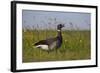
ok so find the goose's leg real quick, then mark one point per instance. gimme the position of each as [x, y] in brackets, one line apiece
[48, 51]
[56, 51]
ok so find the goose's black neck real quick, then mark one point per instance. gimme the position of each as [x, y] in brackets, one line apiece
[59, 33]
[59, 38]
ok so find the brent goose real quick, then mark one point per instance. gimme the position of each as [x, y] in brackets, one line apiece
[51, 43]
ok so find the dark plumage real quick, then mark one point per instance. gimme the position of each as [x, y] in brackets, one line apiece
[51, 43]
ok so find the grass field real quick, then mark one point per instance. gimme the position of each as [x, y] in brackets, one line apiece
[76, 46]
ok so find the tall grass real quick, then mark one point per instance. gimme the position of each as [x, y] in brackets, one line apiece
[75, 46]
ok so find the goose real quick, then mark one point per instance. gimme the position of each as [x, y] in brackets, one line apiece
[51, 43]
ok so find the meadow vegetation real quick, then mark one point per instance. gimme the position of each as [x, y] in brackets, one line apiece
[76, 46]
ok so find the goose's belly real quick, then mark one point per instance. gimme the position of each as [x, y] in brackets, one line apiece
[44, 47]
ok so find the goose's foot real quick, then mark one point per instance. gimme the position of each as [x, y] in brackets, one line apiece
[48, 52]
[56, 51]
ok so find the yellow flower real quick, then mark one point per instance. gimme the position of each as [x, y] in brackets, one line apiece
[80, 41]
[65, 40]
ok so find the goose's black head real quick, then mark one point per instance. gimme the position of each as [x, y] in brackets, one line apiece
[60, 26]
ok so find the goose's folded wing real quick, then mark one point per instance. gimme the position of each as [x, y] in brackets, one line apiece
[46, 42]
[51, 40]
[40, 42]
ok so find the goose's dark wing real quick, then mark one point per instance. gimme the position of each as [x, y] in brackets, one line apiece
[41, 42]
[46, 42]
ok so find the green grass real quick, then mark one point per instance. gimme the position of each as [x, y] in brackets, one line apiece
[76, 46]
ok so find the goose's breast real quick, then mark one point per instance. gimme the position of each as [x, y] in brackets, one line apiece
[53, 45]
